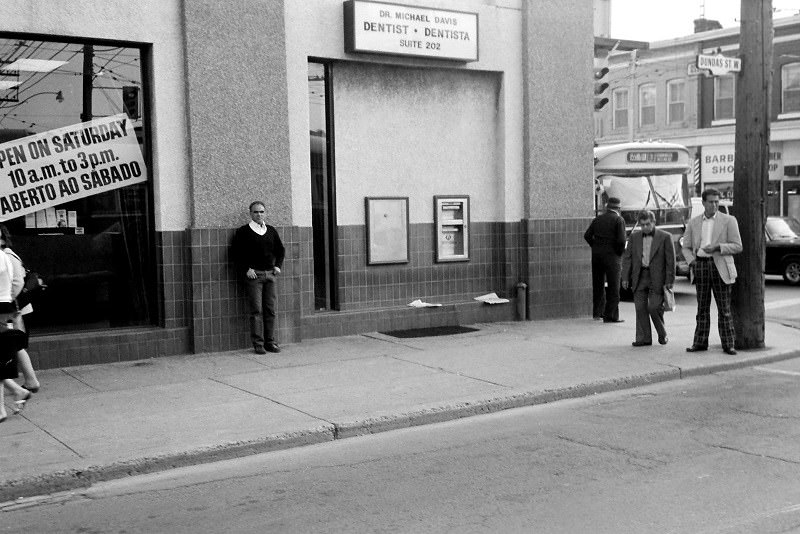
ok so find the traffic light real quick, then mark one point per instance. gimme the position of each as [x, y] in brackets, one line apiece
[600, 87]
[130, 100]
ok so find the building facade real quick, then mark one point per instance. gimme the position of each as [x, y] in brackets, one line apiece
[660, 94]
[432, 151]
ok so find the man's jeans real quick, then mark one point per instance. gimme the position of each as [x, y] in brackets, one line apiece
[261, 298]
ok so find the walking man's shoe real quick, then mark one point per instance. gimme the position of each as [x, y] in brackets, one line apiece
[730, 350]
[696, 348]
[272, 347]
[613, 320]
[258, 349]
[663, 340]
[641, 343]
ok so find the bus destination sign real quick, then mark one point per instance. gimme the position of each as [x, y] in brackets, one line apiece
[652, 156]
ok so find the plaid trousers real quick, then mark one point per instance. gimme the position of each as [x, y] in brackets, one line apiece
[707, 279]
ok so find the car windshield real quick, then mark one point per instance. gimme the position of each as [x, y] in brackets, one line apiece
[783, 228]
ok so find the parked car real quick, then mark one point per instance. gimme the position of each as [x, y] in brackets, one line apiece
[783, 248]
[782, 254]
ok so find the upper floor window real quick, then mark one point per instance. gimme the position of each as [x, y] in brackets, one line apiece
[724, 97]
[619, 103]
[790, 88]
[647, 105]
[676, 101]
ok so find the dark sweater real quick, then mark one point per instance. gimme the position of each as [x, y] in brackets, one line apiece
[259, 252]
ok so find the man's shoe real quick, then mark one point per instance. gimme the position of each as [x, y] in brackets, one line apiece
[613, 320]
[663, 340]
[696, 348]
[258, 349]
[272, 347]
[641, 343]
[730, 350]
[597, 317]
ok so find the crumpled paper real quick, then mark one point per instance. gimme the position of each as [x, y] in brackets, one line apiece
[420, 304]
[491, 298]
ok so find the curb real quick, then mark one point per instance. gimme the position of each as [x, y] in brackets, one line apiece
[13, 491]
[740, 364]
[72, 479]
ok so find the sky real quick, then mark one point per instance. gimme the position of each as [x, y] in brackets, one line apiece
[656, 20]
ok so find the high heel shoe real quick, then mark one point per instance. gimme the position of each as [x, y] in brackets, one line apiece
[20, 404]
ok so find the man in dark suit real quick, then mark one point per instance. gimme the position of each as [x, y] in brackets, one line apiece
[648, 266]
[709, 243]
[606, 236]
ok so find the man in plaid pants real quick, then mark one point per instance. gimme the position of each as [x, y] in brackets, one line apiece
[710, 241]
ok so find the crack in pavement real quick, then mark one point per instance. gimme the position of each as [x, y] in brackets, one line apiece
[756, 454]
[610, 448]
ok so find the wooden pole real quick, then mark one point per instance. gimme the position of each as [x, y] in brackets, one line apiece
[751, 171]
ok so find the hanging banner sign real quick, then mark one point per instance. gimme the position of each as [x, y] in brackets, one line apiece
[50, 168]
[380, 28]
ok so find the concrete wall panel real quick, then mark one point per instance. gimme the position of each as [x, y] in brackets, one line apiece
[558, 97]
[238, 110]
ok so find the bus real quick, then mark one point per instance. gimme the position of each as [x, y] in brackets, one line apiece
[646, 175]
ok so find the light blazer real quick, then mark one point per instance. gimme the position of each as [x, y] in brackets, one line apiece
[662, 259]
[726, 235]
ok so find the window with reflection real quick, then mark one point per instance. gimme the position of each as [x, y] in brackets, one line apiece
[647, 105]
[724, 97]
[75, 182]
[676, 101]
[619, 105]
[790, 86]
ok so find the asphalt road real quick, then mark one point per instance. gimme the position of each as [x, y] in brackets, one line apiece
[713, 454]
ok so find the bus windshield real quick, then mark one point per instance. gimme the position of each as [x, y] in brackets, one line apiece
[664, 194]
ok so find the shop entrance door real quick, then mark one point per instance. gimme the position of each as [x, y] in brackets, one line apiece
[323, 190]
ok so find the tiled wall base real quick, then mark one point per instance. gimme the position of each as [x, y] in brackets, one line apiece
[331, 324]
[559, 270]
[203, 304]
[67, 350]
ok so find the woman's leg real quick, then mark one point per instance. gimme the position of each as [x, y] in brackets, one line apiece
[26, 368]
[19, 392]
[24, 360]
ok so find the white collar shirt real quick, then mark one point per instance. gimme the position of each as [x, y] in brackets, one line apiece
[647, 243]
[260, 230]
[706, 232]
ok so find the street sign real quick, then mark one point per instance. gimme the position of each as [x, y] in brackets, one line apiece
[692, 70]
[718, 64]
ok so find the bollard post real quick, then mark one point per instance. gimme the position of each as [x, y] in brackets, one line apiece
[522, 301]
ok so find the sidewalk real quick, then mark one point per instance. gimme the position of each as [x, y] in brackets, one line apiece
[101, 422]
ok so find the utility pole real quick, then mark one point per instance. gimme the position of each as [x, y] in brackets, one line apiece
[751, 169]
[88, 81]
[631, 89]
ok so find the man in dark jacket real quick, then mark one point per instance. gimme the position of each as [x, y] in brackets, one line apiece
[648, 266]
[258, 253]
[606, 236]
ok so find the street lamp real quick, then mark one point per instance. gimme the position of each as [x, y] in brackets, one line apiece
[59, 99]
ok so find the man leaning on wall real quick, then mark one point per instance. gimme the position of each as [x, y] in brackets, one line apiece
[259, 253]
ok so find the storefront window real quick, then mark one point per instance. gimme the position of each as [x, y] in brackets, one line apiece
[75, 181]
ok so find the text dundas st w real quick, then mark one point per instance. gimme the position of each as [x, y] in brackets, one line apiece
[67, 163]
